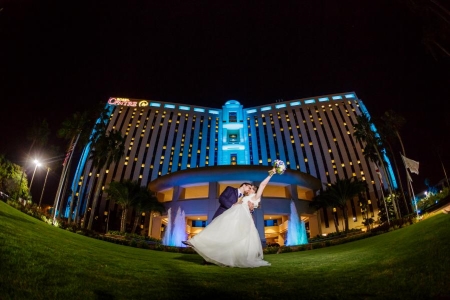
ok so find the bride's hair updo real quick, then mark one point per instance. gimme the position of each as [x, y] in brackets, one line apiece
[255, 187]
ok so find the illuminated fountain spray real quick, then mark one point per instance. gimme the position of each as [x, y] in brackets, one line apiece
[176, 232]
[168, 230]
[296, 234]
[179, 229]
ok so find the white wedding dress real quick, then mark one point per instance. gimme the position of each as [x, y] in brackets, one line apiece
[231, 239]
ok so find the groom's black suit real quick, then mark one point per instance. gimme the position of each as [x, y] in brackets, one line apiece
[228, 197]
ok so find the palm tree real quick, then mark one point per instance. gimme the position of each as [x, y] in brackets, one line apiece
[129, 194]
[435, 21]
[38, 134]
[76, 129]
[321, 201]
[107, 148]
[339, 193]
[146, 202]
[364, 203]
[364, 133]
[125, 194]
[392, 124]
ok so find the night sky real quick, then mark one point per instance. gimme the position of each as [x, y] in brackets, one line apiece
[59, 57]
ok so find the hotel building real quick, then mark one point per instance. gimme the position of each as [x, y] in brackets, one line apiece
[188, 154]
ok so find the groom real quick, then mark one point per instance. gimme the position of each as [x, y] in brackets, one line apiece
[230, 196]
[227, 199]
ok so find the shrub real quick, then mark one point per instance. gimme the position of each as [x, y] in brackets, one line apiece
[143, 245]
[270, 250]
[284, 249]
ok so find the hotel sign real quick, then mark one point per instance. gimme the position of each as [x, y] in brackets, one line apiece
[127, 102]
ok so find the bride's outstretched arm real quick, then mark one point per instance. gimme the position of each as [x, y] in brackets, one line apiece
[263, 184]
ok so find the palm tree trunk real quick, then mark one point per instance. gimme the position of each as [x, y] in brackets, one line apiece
[136, 222]
[77, 208]
[69, 219]
[123, 220]
[336, 222]
[345, 214]
[63, 199]
[60, 192]
[399, 179]
[83, 224]
[95, 200]
[387, 181]
[83, 177]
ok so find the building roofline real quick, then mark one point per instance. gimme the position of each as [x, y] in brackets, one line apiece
[237, 173]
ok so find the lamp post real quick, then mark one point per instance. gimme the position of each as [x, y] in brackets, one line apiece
[37, 163]
[43, 188]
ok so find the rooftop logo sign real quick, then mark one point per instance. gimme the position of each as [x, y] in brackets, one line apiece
[127, 102]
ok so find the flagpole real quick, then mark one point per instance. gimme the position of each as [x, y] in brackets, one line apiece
[408, 178]
[415, 170]
[414, 197]
[443, 168]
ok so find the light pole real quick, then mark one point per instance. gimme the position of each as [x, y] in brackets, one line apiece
[45, 181]
[37, 163]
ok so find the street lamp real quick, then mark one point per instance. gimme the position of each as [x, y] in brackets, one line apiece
[45, 181]
[38, 164]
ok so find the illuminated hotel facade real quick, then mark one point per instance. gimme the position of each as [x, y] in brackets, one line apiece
[188, 154]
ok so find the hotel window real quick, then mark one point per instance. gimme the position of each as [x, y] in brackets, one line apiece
[233, 159]
[232, 116]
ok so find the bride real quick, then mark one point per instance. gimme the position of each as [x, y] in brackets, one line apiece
[232, 239]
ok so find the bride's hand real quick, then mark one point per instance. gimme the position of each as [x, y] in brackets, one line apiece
[272, 172]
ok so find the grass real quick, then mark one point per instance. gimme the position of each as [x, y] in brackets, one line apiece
[38, 261]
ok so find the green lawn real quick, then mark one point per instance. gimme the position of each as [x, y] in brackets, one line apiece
[38, 261]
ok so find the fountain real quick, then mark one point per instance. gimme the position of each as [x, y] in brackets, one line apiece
[168, 230]
[296, 234]
[176, 232]
[179, 229]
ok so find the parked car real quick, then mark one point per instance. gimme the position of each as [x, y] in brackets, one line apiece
[3, 196]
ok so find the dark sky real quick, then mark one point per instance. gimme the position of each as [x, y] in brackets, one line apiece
[58, 57]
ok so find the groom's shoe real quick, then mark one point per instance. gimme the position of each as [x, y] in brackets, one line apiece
[186, 243]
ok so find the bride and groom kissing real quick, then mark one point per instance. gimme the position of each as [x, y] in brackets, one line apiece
[231, 239]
